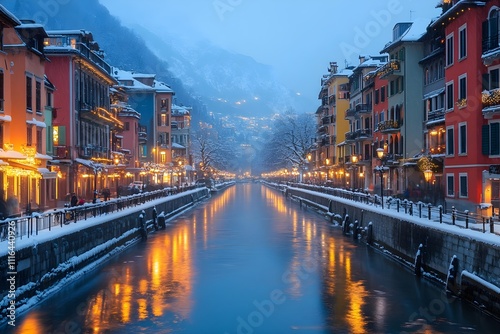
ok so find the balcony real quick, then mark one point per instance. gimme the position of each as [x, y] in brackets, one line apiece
[389, 126]
[331, 100]
[438, 149]
[362, 108]
[322, 130]
[435, 116]
[491, 102]
[62, 152]
[491, 49]
[358, 135]
[390, 70]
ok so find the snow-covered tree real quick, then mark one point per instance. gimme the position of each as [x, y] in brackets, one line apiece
[293, 138]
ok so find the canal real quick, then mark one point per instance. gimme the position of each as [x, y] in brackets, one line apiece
[250, 261]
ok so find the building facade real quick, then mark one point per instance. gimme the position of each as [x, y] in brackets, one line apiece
[25, 179]
[83, 124]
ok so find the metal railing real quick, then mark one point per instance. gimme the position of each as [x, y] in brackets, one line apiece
[29, 225]
[439, 214]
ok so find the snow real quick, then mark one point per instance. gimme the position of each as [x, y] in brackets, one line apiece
[57, 231]
[66, 267]
[481, 281]
[458, 229]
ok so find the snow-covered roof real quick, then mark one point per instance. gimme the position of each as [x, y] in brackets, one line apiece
[122, 75]
[9, 16]
[413, 34]
[162, 87]
[69, 32]
[180, 110]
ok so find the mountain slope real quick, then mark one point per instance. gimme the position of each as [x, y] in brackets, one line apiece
[228, 80]
[122, 47]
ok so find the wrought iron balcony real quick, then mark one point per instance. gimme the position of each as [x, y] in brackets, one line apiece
[358, 135]
[392, 68]
[361, 108]
[390, 126]
[435, 116]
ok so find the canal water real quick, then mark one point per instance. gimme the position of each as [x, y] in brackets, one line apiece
[251, 261]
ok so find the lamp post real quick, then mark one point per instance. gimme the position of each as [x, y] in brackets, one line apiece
[380, 169]
[428, 176]
[354, 161]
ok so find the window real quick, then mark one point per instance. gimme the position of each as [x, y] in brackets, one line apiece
[382, 93]
[39, 139]
[164, 103]
[491, 139]
[462, 87]
[462, 40]
[490, 32]
[450, 149]
[48, 101]
[462, 137]
[1, 91]
[449, 96]
[377, 92]
[463, 184]
[450, 185]
[163, 119]
[38, 96]
[29, 136]
[449, 50]
[29, 94]
[494, 79]
[127, 126]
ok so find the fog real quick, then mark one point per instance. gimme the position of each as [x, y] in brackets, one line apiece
[298, 38]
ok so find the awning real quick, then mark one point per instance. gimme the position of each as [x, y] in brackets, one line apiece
[89, 163]
[11, 154]
[5, 118]
[178, 146]
[47, 174]
[36, 122]
[433, 93]
[42, 156]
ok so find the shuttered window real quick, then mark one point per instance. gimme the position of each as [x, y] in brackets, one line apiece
[495, 138]
[450, 149]
[485, 139]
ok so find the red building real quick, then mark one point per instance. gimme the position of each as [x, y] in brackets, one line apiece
[84, 125]
[472, 103]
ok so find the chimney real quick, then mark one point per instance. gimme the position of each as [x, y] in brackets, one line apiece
[333, 67]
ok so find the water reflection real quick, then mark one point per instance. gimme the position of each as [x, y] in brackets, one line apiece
[213, 269]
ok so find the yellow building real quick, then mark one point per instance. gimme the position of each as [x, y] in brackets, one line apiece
[332, 126]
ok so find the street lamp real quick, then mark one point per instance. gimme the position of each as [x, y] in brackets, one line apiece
[354, 161]
[381, 170]
[428, 176]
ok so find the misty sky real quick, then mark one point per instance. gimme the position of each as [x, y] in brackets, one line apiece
[297, 37]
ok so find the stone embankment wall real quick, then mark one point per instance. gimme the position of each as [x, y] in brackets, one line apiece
[42, 264]
[475, 271]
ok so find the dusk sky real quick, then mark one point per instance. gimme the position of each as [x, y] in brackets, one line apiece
[298, 38]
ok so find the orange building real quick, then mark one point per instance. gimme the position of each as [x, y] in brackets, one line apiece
[26, 90]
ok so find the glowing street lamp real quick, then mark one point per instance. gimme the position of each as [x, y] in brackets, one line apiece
[381, 170]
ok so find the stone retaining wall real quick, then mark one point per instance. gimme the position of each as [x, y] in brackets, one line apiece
[41, 265]
[401, 236]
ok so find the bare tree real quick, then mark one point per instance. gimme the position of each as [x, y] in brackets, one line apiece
[213, 152]
[292, 140]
